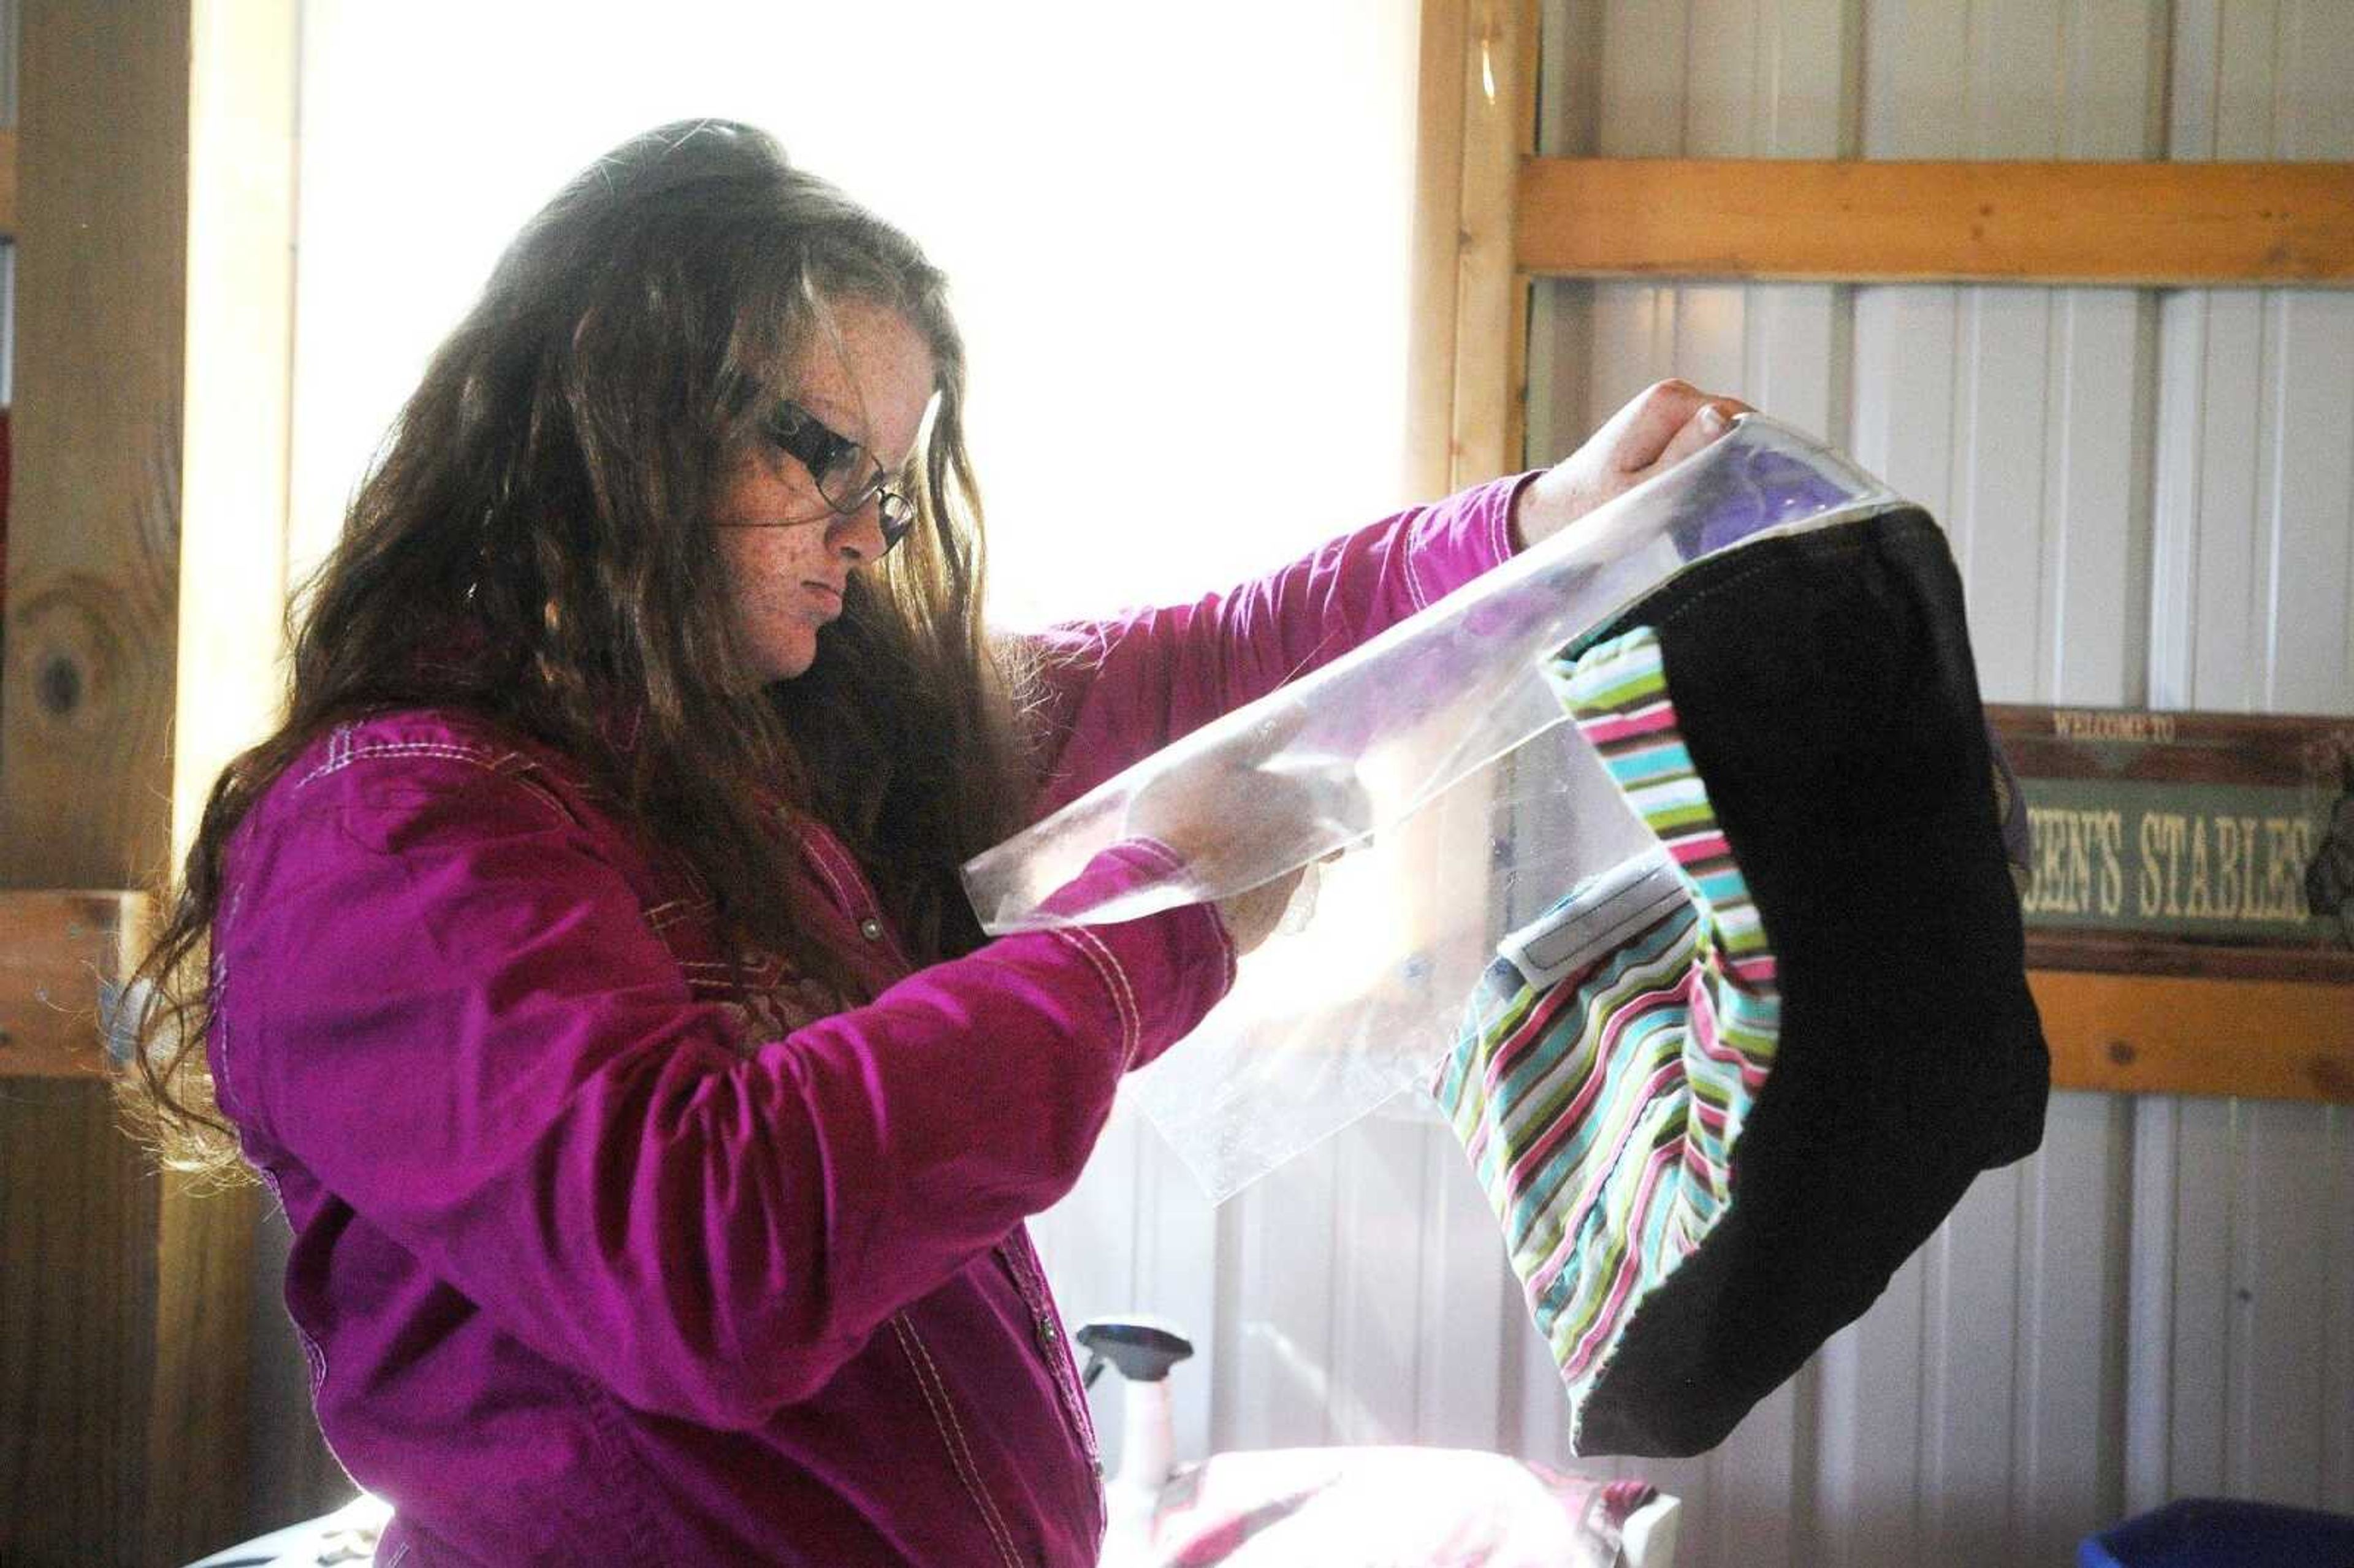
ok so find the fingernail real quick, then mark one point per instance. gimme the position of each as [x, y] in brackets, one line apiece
[1712, 420]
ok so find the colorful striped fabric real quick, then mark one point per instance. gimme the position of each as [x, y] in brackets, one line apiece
[1599, 1100]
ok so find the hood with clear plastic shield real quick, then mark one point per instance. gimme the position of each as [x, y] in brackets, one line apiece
[1432, 782]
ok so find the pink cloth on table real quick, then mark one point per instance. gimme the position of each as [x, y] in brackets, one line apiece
[1435, 1508]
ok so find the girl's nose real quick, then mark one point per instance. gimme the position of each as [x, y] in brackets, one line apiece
[859, 536]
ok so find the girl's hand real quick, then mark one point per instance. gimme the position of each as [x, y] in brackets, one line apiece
[1250, 917]
[1664, 425]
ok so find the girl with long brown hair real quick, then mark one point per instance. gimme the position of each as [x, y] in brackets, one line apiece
[582, 961]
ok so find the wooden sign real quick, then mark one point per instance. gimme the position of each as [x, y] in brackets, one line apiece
[2187, 843]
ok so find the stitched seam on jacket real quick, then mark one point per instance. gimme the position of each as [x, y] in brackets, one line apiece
[817, 848]
[522, 777]
[605, 1424]
[1030, 1279]
[952, 1431]
[351, 752]
[1115, 981]
[314, 1353]
[1175, 862]
[670, 911]
[496, 766]
[825, 868]
[1168, 857]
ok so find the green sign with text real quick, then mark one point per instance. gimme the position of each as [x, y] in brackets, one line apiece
[2194, 860]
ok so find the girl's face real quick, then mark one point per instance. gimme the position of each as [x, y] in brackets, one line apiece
[787, 552]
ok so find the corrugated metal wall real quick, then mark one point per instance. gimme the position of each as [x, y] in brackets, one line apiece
[2151, 495]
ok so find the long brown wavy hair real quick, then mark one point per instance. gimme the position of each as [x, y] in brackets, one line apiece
[534, 546]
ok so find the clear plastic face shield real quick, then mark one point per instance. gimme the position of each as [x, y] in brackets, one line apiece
[1433, 784]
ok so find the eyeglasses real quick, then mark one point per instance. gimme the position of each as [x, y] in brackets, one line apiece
[846, 473]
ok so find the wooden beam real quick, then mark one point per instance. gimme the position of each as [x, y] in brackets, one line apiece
[154, 167]
[2159, 225]
[54, 950]
[124, 1296]
[93, 512]
[2153, 1034]
[1475, 120]
[239, 394]
[1432, 282]
[1499, 87]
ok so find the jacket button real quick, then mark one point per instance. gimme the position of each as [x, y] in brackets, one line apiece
[871, 929]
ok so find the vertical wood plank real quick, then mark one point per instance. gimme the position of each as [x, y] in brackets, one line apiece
[1491, 303]
[143, 1285]
[1437, 201]
[94, 486]
[238, 392]
[75, 1355]
[234, 445]
[197, 1439]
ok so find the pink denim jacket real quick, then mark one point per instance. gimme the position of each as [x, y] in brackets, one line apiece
[598, 1258]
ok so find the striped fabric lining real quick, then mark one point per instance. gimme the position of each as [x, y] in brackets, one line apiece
[1599, 1111]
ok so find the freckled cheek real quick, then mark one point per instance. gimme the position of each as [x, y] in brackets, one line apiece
[772, 615]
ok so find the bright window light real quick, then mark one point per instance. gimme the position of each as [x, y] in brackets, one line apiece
[1178, 236]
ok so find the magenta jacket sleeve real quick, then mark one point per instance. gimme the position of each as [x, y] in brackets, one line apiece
[470, 1033]
[1119, 690]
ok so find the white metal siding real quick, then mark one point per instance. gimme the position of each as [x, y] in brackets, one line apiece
[2151, 495]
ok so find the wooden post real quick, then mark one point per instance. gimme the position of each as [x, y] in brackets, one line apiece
[93, 515]
[154, 181]
[1437, 205]
[1491, 308]
[1475, 122]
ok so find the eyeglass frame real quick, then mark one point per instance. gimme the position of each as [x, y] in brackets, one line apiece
[820, 449]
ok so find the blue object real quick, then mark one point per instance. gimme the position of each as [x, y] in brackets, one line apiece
[2219, 1532]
